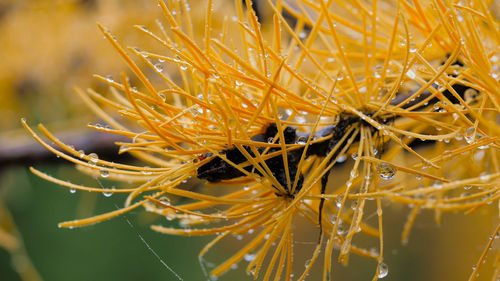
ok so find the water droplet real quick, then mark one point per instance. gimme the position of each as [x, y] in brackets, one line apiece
[338, 202]
[354, 204]
[159, 67]
[470, 94]
[104, 173]
[341, 229]
[411, 74]
[194, 111]
[93, 159]
[72, 190]
[146, 171]
[483, 147]
[302, 140]
[386, 171]
[469, 134]
[354, 155]
[107, 193]
[165, 200]
[383, 270]
[484, 177]
[342, 159]
[437, 185]
[249, 257]
[354, 174]
[82, 153]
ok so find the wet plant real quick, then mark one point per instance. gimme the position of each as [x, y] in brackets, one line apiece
[403, 94]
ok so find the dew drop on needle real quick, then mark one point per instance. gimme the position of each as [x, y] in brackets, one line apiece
[386, 171]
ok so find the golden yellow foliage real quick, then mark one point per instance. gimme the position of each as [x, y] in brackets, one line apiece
[365, 79]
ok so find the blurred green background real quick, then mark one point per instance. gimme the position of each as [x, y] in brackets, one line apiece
[46, 48]
[107, 251]
[113, 250]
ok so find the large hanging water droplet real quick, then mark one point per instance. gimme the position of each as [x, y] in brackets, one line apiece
[383, 270]
[386, 171]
